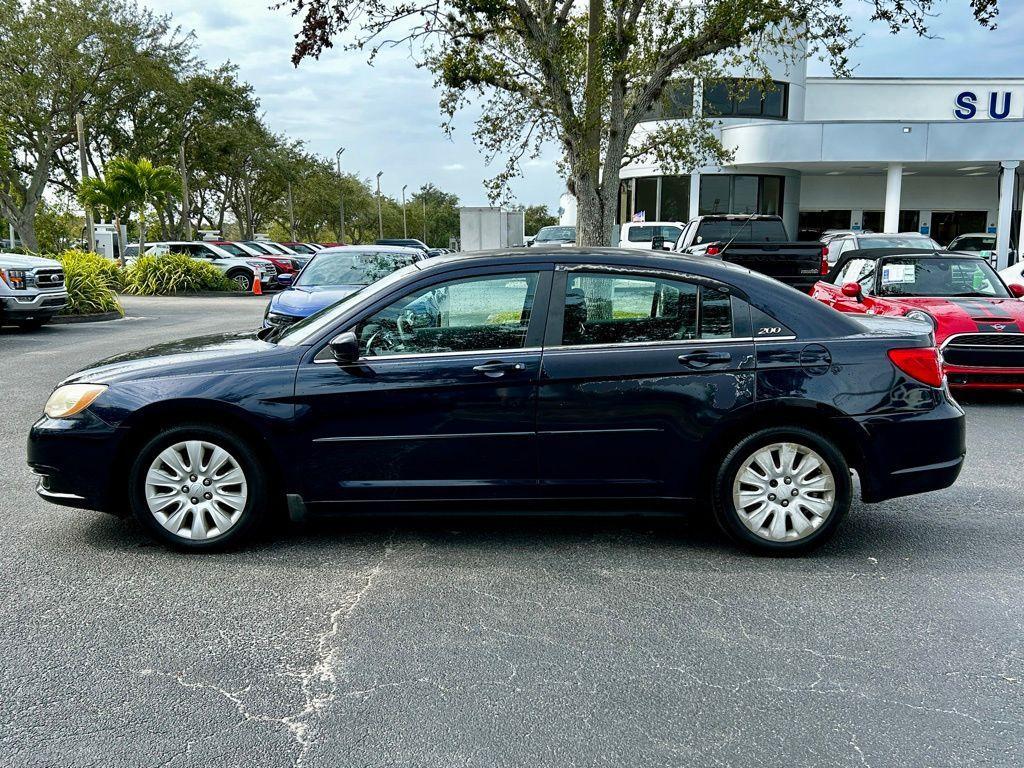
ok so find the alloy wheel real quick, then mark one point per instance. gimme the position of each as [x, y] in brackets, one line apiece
[784, 492]
[196, 490]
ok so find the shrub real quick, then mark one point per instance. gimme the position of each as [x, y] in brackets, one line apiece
[91, 281]
[173, 273]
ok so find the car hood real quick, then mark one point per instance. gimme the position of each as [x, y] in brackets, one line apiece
[969, 315]
[18, 261]
[302, 301]
[203, 354]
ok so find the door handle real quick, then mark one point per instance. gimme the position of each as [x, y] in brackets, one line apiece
[496, 369]
[702, 358]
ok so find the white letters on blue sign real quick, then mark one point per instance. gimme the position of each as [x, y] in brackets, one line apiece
[999, 105]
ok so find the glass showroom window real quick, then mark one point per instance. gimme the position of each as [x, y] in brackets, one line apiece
[661, 198]
[737, 193]
[741, 98]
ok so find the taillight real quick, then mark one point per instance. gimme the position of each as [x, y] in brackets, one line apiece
[921, 363]
[713, 250]
[824, 260]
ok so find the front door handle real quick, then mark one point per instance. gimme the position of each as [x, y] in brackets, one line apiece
[497, 368]
[702, 358]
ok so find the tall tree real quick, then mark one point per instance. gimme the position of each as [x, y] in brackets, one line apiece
[108, 196]
[585, 76]
[58, 58]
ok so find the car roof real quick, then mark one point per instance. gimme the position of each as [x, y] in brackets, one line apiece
[990, 235]
[376, 247]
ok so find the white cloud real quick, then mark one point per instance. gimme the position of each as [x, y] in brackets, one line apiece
[453, 167]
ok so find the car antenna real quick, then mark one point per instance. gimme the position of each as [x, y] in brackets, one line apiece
[737, 233]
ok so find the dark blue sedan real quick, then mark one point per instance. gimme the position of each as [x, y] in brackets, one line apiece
[333, 274]
[559, 376]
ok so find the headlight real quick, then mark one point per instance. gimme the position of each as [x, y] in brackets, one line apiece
[917, 314]
[261, 266]
[71, 399]
[276, 318]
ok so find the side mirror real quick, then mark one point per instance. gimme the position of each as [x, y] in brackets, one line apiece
[345, 348]
[1016, 289]
[853, 290]
[286, 279]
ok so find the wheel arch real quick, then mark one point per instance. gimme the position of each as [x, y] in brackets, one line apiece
[821, 419]
[147, 421]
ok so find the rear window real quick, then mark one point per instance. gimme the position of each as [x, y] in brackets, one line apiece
[895, 241]
[646, 234]
[745, 231]
[974, 244]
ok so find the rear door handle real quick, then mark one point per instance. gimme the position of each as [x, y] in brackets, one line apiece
[702, 358]
[497, 368]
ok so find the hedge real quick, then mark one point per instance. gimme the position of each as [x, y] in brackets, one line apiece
[172, 273]
[91, 282]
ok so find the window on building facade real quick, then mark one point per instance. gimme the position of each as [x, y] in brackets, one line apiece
[676, 102]
[740, 193]
[874, 221]
[815, 223]
[735, 98]
[661, 198]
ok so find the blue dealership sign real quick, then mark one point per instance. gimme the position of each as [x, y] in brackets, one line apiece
[999, 105]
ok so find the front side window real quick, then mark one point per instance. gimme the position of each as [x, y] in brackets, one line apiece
[855, 271]
[612, 309]
[468, 315]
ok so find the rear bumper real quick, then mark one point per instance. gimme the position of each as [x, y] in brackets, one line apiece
[910, 453]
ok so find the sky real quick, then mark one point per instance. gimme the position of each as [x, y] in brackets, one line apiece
[387, 116]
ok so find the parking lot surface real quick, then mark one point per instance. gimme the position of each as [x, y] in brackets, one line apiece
[511, 642]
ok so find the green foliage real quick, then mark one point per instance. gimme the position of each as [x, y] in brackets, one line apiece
[58, 227]
[91, 281]
[173, 273]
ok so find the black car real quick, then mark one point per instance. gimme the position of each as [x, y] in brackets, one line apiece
[559, 375]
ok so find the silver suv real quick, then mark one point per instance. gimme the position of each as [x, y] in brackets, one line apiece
[31, 290]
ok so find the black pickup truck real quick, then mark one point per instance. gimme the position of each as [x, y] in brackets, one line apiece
[759, 243]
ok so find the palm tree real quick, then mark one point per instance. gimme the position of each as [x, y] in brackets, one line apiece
[110, 198]
[146, 185]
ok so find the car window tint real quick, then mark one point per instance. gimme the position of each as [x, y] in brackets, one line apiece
[612, 309]
[352, 268]
[643, 234]
[853, 271]
[480, 313]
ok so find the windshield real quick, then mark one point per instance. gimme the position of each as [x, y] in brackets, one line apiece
[970, 243]
[257, 247]
[742, 230]
[648, 233]
[939, 276]
[231, 248]
[551, 234]
[304, 330]
[896, 241]
[359, 268]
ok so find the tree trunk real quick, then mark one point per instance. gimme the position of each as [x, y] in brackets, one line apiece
[122, 241]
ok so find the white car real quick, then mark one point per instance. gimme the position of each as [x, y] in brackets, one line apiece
[243, 270]
[640, 234]
[1014, 274]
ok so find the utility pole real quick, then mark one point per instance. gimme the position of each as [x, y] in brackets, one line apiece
[249, 234]
[83, 163]
[341, 198]
[186, 214]
[424, 220]
[380, 216]
[405, 222]
[593, 102]
[291, 213]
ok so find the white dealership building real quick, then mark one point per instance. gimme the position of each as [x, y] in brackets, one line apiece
[936, 155]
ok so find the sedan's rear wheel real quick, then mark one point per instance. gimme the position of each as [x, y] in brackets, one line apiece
[782, 490]
[197, 488]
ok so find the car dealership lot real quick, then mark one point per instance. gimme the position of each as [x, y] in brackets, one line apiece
[609, 641]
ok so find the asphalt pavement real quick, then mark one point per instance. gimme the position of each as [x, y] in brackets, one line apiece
[515, 642]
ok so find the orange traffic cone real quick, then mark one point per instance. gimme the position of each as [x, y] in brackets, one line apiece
[257, 289]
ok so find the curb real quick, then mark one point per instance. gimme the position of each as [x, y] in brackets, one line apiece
[201, 295]
[100, 318]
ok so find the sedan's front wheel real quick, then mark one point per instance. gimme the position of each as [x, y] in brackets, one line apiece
[197, 488]
[782, 490]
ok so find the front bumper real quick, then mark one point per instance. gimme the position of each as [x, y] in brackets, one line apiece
[40, 306]
[971, 377]
[908, 453]
[74, 460]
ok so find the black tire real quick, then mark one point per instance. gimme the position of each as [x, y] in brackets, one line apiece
[253, 512]
[242, 279]
[727, 516]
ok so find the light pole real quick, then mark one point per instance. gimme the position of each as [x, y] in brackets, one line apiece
[380, 216]
[405, 222]
[341, 198]
[424, 201]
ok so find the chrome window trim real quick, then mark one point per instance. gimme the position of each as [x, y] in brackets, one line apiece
[432, 355]
[642, 344]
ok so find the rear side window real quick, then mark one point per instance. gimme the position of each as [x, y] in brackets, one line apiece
[612, 309]
[646, 234]
[743, 230]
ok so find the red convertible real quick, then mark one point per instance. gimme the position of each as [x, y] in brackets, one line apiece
[977, 319]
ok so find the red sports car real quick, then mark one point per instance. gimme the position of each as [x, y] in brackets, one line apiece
[978, 320]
